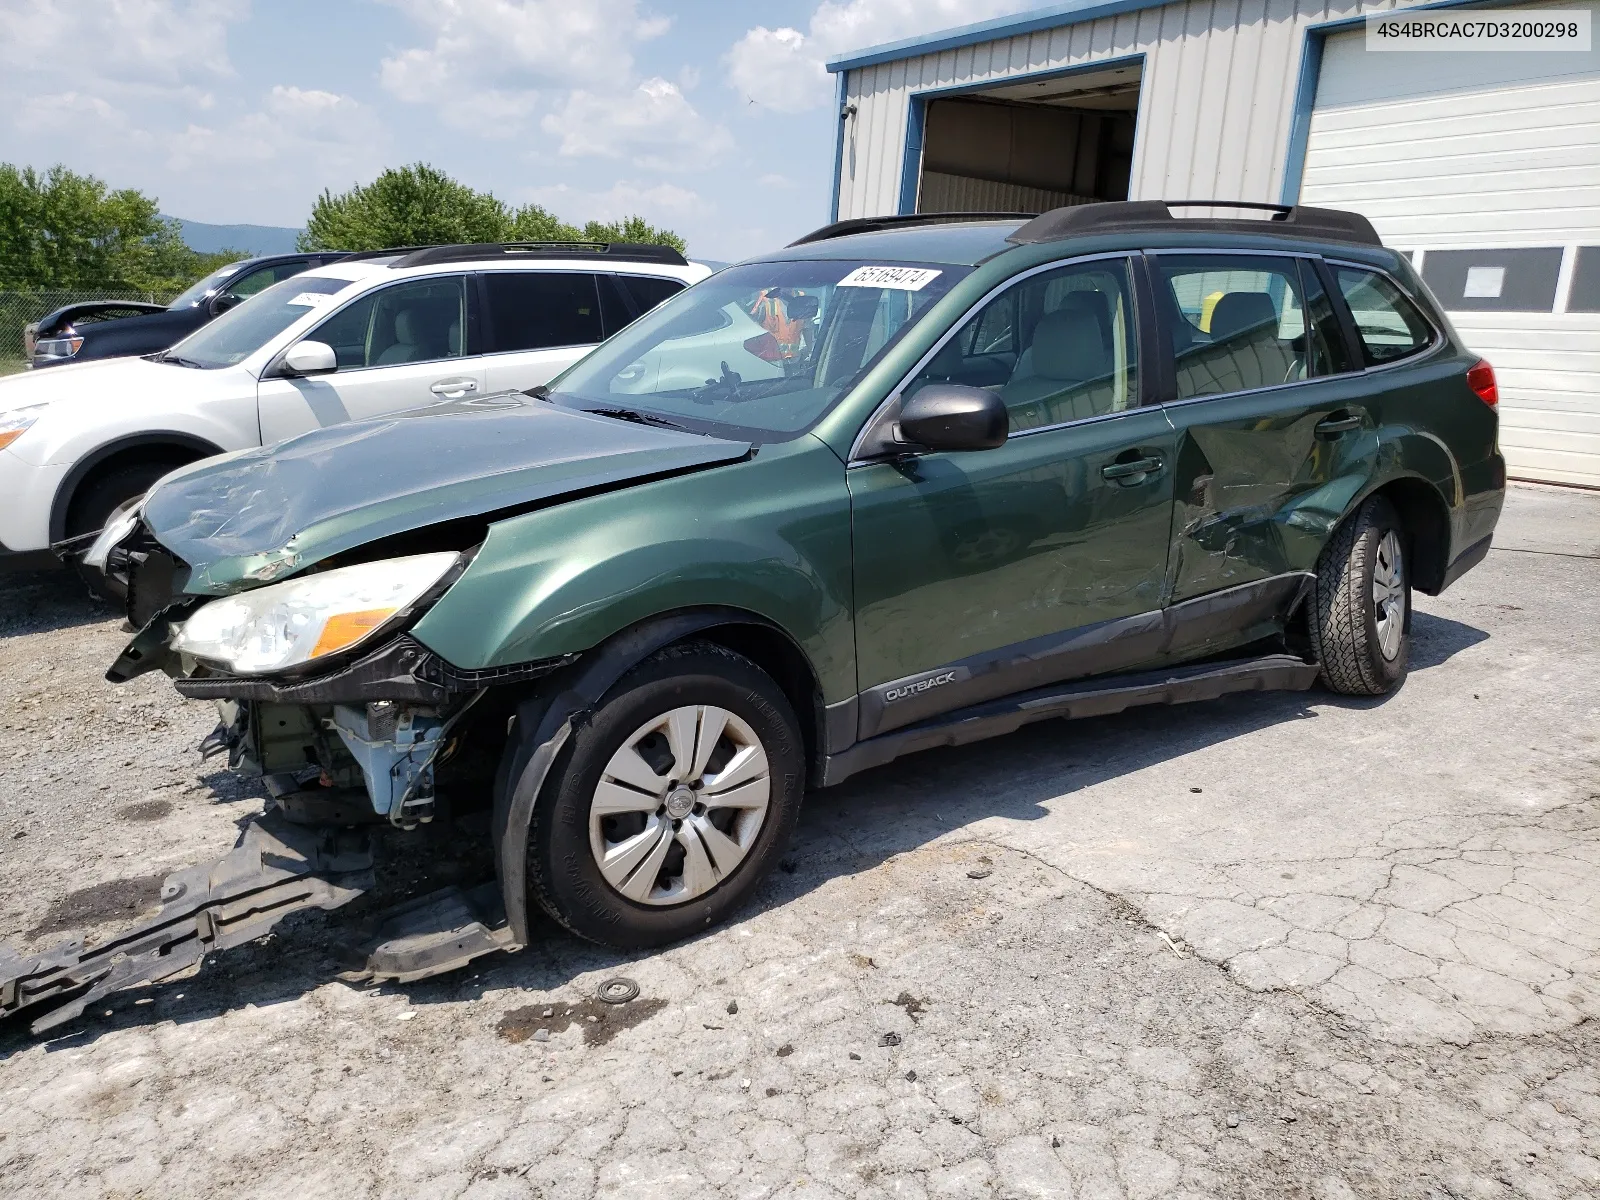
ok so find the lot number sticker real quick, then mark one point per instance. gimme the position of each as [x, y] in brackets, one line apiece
[901, 279]
[311, 300]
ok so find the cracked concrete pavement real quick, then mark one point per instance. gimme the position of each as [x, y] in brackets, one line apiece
[1279, 945]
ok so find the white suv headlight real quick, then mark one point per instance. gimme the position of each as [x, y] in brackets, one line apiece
[15, 423]
[294, 622]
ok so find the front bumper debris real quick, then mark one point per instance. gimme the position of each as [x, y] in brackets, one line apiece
[277, 868]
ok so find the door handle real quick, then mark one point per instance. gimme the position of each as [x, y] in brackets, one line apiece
[454, 387]
[1141, 467]
[1334, 426]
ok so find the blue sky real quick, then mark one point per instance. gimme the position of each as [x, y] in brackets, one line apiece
[715, 119]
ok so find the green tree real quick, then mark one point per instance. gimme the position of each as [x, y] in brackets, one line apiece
[405, 206]
[421, 205]
[633, 229]
[531, 223]
[69, 231]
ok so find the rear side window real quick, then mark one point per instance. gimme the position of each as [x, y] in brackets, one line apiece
[1389, 325]
[540, 310]
[1242, 322]
[649, 291]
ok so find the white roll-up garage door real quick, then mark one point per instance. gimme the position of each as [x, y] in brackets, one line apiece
[1488, 166]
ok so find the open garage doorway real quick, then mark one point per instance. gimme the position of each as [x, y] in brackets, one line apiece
[1032, 145]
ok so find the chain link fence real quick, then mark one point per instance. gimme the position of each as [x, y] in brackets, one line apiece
[18, 309]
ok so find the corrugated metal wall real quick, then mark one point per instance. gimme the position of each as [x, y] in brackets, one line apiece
[957, 193]
[1214, 109]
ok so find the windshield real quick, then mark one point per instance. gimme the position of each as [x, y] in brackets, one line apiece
[196, 292]
[240, 332]
[765, 348]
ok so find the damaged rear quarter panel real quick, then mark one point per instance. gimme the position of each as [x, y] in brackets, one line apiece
[769, 535]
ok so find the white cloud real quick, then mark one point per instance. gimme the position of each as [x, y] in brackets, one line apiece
[517, 45]
[652, 125]
[783, 69]
[119, 41]
[130, 95]
[657, 203]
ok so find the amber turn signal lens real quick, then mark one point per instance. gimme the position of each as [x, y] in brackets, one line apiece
[10, 436]
[346, 629]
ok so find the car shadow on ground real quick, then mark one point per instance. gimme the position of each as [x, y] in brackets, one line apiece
[843, 831]
[42, 601]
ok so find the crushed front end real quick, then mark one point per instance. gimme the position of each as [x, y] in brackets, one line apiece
[351, 724]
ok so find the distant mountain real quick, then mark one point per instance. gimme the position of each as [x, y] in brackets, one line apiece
[252, 239]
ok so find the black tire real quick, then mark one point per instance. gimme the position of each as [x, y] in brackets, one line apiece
[1346, 621]
[104, 494]
[565, 879]
[101, 498]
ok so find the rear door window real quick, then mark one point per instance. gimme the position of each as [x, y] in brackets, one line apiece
[1239, 323]
[649, 290]
[542, 310]
[1388, 323]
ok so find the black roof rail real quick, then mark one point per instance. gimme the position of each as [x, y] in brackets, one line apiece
[357, 255]
[624, 251]
[1119, 216]
[874, 224]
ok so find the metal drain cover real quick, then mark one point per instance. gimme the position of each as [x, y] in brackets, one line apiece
[617, 991]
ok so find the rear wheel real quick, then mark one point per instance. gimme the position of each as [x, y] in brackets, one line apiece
[664, 812]
[1361, 614]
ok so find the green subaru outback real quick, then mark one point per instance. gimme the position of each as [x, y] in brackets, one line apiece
[909, 482]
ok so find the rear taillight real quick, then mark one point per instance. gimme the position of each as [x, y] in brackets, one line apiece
[1481, 380]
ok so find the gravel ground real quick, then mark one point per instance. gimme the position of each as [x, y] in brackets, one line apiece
[1275, 946]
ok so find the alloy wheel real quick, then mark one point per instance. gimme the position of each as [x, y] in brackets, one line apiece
[679, 805]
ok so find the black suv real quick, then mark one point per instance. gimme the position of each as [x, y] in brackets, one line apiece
[114, 328]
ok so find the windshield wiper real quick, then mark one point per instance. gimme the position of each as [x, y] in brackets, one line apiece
[181, 361]
[634, 415]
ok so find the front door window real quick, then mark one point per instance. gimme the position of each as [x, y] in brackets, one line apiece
[414, 322]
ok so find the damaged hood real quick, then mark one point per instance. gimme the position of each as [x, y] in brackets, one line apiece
[244, 519]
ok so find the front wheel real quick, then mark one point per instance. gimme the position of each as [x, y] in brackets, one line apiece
[1361, 611]
[665, 811]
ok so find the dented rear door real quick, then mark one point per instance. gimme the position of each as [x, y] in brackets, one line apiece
[1274, 432]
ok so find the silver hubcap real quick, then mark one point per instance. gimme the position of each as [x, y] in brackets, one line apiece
[679, 805]
[1389, 595]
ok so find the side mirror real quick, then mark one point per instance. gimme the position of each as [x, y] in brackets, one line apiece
[952, 416]
[310, 358]
[223, 301]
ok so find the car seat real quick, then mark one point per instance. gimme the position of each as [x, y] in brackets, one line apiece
[1066, 374]
[420, 334]
[1244, 352]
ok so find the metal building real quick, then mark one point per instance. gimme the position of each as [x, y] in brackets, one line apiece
[1485, 166]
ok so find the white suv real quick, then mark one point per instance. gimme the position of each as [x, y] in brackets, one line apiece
[365, 336]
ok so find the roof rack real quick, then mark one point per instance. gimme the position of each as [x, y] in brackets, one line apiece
[422, 256]
[358, 255]
[874, 224]
[1117, 216]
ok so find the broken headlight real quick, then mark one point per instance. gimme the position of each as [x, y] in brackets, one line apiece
[295, 622]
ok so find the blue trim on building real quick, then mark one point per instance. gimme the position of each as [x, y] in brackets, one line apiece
[1305, 93]
[1071, 13]
[838, 147]
[1075, 12]
[917, 113]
